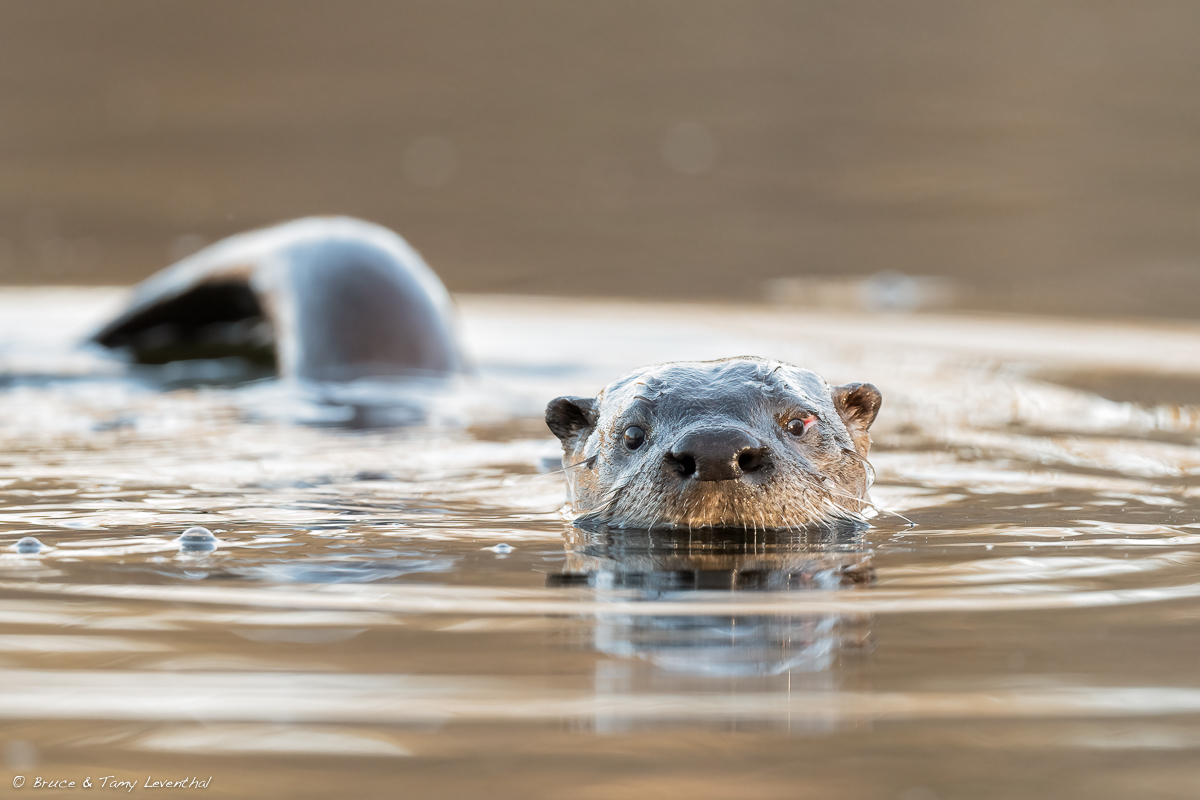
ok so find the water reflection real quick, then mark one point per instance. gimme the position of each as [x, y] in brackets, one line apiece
[629, 566]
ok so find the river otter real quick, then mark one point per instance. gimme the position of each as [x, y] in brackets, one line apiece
[320, 299]
[741, 442]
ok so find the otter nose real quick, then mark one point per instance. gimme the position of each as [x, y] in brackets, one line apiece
[722, 454]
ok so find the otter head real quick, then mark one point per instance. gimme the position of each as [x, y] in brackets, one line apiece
[741, 442]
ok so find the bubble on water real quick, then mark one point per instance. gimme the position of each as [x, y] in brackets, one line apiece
[29, 544]
[197, 538]
[501, 549]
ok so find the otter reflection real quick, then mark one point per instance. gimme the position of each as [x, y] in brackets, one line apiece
[637, 565]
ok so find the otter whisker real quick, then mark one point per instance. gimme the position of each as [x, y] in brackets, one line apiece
[866, 464]
[603, 504]
[876, 506]
[587, 462]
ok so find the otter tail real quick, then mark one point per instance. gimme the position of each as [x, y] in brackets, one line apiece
[323, 299]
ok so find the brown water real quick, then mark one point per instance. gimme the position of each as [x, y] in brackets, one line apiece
[407, 612]
[1039, 155]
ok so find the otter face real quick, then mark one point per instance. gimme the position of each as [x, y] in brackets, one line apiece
[741, 442]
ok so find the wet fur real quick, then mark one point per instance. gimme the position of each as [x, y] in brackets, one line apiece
[821, 478]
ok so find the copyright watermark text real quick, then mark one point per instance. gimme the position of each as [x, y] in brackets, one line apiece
[110, 782]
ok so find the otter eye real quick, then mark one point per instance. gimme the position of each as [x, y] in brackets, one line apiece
[799, 427]
[634, 437]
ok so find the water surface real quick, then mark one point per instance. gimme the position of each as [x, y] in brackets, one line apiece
[406, 610]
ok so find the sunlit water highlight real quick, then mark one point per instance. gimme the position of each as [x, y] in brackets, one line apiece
[382, 592]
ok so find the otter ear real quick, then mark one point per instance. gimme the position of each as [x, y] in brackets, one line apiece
[857, 404]
[570, 417]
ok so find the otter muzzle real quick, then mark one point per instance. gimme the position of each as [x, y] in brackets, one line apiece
[717, 454]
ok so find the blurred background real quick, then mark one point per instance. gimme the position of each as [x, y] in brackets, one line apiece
[1018, 156]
